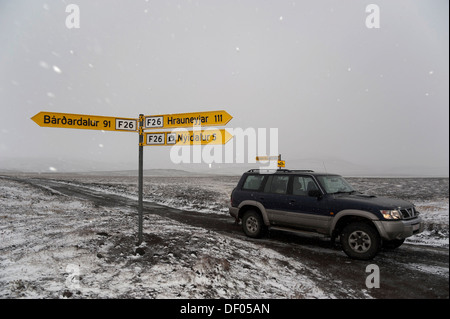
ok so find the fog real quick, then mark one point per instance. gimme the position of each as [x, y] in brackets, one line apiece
[342, 95]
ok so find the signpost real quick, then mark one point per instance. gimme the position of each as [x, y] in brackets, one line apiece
[86, 122]
[280, 163]
[212, 118]
[141, 180]
[267, 158]
[200, 137]
[168, 138]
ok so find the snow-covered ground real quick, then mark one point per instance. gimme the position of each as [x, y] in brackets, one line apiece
[55, 246]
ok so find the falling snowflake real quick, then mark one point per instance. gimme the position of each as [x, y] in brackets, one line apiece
[43, 64]
[56, 69]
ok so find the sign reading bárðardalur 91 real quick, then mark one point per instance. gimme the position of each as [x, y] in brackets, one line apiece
[86, 122]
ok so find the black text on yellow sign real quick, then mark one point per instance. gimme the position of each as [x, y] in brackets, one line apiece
[266, 158]
[86, 122]
[181, 138]
[210, 118]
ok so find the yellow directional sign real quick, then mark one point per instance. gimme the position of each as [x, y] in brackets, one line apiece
[211, 118]
[266, 158]
[180, 138]
[281, 163]
[86, 122]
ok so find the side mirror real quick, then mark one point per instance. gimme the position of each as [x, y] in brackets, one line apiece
[315, 193]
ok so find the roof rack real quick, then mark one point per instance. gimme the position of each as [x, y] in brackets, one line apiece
[282, 170]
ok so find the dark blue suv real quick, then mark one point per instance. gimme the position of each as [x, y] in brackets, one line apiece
[320, 203]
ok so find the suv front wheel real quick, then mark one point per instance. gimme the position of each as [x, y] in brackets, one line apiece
[252, 224]
[360, 241]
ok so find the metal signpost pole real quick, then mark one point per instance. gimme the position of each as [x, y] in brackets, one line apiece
[141, 177]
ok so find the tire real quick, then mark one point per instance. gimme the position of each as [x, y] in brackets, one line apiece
[252, 224]
[360, 241]
[392, 244]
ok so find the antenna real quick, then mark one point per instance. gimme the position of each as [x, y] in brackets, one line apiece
[323, 163]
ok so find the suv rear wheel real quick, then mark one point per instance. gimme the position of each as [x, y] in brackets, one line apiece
[252, 224]
[360, 241]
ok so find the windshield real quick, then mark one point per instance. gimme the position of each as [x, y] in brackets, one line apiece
[335, 184]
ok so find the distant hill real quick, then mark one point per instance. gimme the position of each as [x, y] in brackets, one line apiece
[331, 165]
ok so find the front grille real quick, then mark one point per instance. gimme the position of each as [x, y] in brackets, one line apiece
[408, 213]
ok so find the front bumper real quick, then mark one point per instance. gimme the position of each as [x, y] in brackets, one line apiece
[399, 229]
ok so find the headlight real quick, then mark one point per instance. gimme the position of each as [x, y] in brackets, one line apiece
[391, 214]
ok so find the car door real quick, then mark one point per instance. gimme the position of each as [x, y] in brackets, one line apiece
[305, 211]
[251, 188]
[275, 197]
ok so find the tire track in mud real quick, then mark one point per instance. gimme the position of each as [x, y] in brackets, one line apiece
[404, 273]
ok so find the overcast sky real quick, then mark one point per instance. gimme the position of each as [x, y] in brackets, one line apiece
[336, 90]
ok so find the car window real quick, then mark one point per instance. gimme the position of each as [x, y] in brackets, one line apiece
[334, 184]
[301, 185]
[253, 182]
[277, 184]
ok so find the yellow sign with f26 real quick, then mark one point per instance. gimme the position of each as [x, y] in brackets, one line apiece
[86, 122]
[200, 137]
[211, 118]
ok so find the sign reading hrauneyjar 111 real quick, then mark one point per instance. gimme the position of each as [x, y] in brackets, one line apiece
[182, 120]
